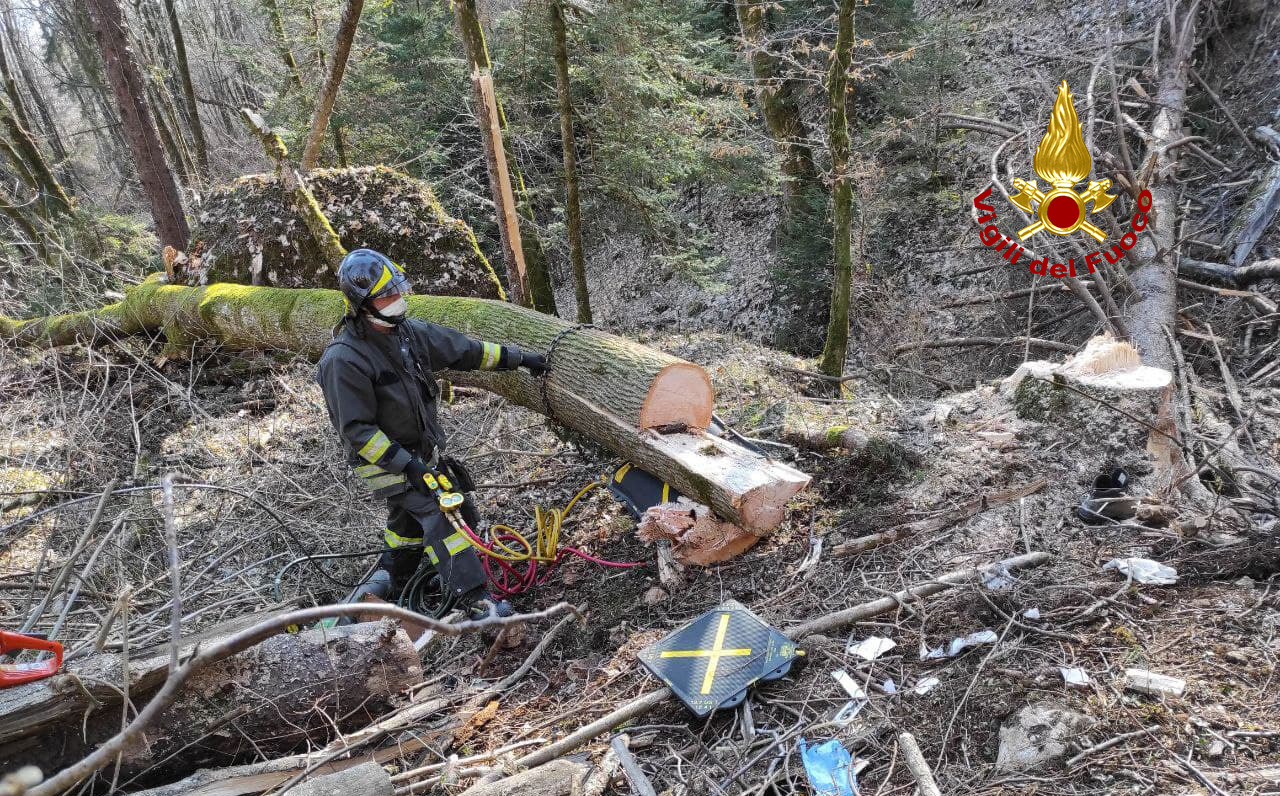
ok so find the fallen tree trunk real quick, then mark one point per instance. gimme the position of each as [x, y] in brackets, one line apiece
[290, 690]
[617, 392]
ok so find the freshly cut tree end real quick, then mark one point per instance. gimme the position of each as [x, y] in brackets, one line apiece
[680, 394]
[737, 483]
[1110, 363]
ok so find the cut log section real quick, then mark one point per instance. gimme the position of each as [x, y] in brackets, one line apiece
[289, 691]
[615, 391]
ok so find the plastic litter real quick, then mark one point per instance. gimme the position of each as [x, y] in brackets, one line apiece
[889, 686]
[926, 685]
[1031, 613]
[858, 698]
[845, 716]
[829, 767]
[958, 645]
[1144, 570]
[871, 648]
[997, 578]
[1078, 678]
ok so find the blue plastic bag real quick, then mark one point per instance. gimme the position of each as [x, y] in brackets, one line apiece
[829, 767]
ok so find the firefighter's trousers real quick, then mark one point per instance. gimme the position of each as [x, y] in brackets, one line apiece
[414, 518]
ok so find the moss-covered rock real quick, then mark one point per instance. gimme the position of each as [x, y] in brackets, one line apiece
[248, 232]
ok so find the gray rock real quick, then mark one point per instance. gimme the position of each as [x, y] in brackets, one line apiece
[1036, 734]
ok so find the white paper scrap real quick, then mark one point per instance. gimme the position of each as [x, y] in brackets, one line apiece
[871, 648]
[889, 686]
[850, 685]
[1074, 677]
[958, 645]
[1031, 613]
[926, 685]
[1144, 570]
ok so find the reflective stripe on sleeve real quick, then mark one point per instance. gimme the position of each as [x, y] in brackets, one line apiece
[375, 447]
[491, 354]
[383, 481]
[394, 539]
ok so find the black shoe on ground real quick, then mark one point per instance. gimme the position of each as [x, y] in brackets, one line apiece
[483, 605]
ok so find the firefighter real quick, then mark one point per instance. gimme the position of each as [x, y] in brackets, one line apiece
[379, 384]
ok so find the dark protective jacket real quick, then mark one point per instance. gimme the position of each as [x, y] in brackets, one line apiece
[381, 391]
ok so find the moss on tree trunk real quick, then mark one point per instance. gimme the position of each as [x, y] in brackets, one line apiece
[837, 343]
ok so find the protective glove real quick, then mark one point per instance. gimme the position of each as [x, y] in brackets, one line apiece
[416, 471]
[534, 362]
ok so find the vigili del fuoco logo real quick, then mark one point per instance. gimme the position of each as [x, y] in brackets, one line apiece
[1063, 161]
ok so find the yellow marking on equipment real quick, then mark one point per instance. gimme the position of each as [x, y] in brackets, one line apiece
[622, 473]
[490, 355]
[716, 652]
[382, 281]
[666, 490]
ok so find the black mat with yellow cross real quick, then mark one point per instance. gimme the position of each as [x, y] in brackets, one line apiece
[710, 662]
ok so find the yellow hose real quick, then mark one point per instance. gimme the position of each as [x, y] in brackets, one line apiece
[547, 524]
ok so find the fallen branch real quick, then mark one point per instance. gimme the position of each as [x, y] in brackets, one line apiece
[239, 642]
[917, 766]
[939, 521]
[962, 342]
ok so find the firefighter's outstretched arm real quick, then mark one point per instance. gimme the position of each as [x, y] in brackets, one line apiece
[453, 349]
[348, 393]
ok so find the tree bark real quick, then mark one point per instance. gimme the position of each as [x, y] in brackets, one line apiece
[54, 199]
[572, 210]
[296, 185]
[285, 692]
[1150, 315]
[49, 127]
[613, 390]
[837, 343]
[324, 105]
[130, 92]
[188, 90]
[523, 253]
[778, 105]
[275, 21]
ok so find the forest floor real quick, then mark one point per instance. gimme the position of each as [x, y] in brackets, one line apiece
[225, 420]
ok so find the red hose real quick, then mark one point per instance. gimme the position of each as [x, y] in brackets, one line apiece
[508, 580]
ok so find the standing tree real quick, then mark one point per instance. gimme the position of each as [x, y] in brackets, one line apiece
[505, 182]
[779, 106]
[572, 210]
[324, 105]
[837, 344]
[188, 90]
[127, 85]
[275, 21]
[30, 162]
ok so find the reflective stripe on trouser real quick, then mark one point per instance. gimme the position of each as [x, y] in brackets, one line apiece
[413, 514]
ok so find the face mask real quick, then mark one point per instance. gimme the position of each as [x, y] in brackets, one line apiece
[393, 312]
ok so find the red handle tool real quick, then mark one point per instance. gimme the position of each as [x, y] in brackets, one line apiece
[18, 673]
